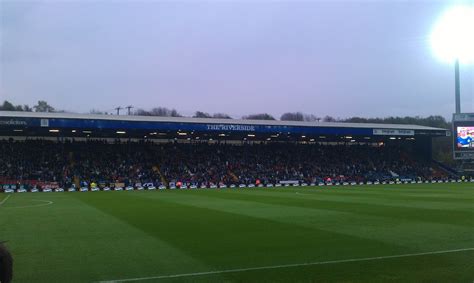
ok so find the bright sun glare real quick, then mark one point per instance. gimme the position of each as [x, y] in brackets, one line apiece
[453, 35]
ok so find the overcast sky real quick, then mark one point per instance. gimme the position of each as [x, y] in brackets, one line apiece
[338, 58]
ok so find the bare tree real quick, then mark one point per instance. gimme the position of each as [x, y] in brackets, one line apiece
[8, 106]
[298, 116]
[292, 116]
[43, 106]
[329, 119]
[158, 111]
[261, 116]
[221, 116]
[142, 112]
[200, 114]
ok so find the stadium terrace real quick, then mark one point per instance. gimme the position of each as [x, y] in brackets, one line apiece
[68, 151]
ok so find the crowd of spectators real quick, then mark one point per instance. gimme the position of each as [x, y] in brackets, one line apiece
[206, 163]
[32, 160]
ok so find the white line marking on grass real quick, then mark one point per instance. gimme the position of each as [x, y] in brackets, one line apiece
[4, 200]
[286, 266]
[45, 203]
[298, 193]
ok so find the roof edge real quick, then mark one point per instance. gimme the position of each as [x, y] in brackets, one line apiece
[56, 115]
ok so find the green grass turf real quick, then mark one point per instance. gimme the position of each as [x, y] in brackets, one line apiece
[94, 236]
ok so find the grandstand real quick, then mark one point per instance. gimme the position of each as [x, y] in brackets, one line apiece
[67, 151]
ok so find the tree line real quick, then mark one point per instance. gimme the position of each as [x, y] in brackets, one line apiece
[431, 121]
[41, 106]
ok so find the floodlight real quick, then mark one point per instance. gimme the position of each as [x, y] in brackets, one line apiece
[452, 37]
[452, 40]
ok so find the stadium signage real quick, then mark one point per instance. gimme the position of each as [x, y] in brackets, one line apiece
[464, 155]
[230, 127]
[290, 182]
[467, 117]
[12, 122]
[393, 132]
[44, 123]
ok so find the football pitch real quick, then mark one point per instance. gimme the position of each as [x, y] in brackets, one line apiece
[389, 233]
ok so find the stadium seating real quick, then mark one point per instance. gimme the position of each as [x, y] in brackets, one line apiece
[198, 164]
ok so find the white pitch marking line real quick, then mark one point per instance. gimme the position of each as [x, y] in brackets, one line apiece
[287, 265]
[4, 200]
[47, 202]
[298, 193]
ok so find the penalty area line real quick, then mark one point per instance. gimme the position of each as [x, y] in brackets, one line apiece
[4, 200]
[44, 203]
[286, 266]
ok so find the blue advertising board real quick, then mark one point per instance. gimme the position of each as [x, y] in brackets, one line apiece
[98, 124]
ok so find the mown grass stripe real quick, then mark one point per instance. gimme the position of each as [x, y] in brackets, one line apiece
[374, 227]
[377, 207]
[287, 266]
[208, 233]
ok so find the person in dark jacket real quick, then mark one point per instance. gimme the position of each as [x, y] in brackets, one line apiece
[6, 264]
